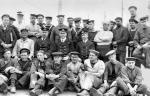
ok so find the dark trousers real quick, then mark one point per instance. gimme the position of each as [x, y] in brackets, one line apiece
[142, 89]
[121, 56]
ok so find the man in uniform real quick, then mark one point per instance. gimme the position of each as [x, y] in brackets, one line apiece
[55, 74]
[49, 25]
[33, 28]
[112, 25]
[7, 35]
[44, 44]
[130, 82]
[92, 74]
[63, 44]
[85, 24]
[38, 71]
[55, 33]
[133, 10]
[142, 44]
[84, 46]
[112, 71]
[14, 27]
[40, 19]
[73, 69]
[120, 38]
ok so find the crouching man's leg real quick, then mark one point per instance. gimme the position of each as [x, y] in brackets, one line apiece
[13, 79]
[59, 85]
[33, 80]
[38, 87]
[25, 79]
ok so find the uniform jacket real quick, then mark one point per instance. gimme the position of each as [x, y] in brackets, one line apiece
[108, 70]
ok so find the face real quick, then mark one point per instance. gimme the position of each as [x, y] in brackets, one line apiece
[132, 25]
[32, 19]
[7, 54]
[85, 24]
[118, 22]
[111, 25]
[24, 34]
[63, 34]
[40, 56]
[57, 59]
[132, 12]
[105, 27]
[77, 24]
[40, 19]
[92, 56]
[11, 22]
[60, 20]
[24, 56]
[131, 64]
[19, 18]
[6, 21]
[112, 57]
[143, 22]
[84, 36]
[48, 21]
[91, 25]
[45, 33]
[70, 21]
[74, 58]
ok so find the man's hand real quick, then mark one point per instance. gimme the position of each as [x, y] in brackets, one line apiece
[52, 76]
[139, 47]
[131, 43]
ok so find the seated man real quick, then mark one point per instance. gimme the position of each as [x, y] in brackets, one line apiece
[44, 44]
[73, 70]
[142, 42]
[55, 74]
[24, 66]
[92, 74]
[23, 42]
[8, 68]
[112, 71]
[38, 74]
[131, 78]
[84, 46]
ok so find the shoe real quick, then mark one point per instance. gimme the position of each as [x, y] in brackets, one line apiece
[94, 92]
[83, 93]
[13, 89]
[32, 93]
[120, 93]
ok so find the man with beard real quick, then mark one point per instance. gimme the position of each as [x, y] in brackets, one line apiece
[120, 38]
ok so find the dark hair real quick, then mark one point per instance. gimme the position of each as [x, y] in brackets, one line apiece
[5, 15]
[134, 7]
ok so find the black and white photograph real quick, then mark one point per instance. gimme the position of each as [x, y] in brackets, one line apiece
[74, 47]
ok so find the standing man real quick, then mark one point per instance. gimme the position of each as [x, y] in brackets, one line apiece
[85, 24]
[112, 72]
[120, 38]
[7, 35]
[130, 82]
[49, 25]
[92, 74]
[14, 27]
[40, 19]
[55, 33]
[20, 18]
[142, 42]
[112, 25]
[33, 28]
[133, 12]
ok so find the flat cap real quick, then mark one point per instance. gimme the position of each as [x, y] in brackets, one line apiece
[133, 20]
[90, 21]
[78, 19]
[111, 52]
[24, 29]
[40, 15]
[60, 16]
[144, 18]
[69, 18]
[74, 53]
[19, 13]
[132, 7]
[85, 20]
[131, 59]
[64, 29]
[34, 15]
[48, 17]
[23, 50]
[113, 22]
[57, 54]
[118, 18]
[12, 19]
[94, 51]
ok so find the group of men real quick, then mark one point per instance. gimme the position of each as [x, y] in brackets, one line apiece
[42, 56]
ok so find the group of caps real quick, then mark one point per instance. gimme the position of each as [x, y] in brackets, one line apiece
[110, 53]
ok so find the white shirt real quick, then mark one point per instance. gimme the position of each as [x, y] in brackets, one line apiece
[98, 68]
[33, 28]
[28, 43]
[103, 38]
